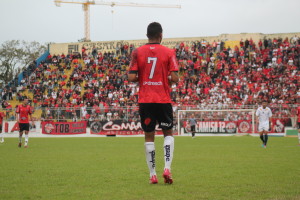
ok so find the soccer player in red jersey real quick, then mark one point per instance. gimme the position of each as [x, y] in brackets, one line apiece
[23, 113]
[155, 68]
[1, 124]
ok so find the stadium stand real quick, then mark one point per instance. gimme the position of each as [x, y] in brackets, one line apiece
[231, 74]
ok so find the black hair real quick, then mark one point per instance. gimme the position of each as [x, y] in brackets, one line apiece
[154, 30]
[265, 101]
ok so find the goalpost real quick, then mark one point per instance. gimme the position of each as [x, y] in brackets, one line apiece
[229, 122]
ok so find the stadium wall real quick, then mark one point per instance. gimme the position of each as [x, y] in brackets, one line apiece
[44, 130]
[105, 46]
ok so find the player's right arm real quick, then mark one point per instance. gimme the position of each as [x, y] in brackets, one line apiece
[257, 116]
[133, 68]
[270, 118]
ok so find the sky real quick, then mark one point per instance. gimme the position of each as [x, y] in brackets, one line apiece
[42, 21]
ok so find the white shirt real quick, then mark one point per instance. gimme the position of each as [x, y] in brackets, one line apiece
[264, 115]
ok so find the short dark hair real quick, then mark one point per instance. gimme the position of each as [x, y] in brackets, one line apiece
[154, 30]
[265, 101]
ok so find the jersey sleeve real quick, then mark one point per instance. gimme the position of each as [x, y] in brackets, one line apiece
[133, 66]
[173, 66]
[18, 109]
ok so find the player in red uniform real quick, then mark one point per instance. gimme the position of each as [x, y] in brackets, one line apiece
[23, 113]
[2, 115]
[154, 67]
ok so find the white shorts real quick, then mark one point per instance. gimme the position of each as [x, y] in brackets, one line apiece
[263, 128]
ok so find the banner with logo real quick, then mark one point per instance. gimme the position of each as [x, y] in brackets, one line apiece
[244, 126]
[119, 127]
[64, 128]
[217, 127]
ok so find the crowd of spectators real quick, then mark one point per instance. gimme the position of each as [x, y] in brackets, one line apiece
[88, 84]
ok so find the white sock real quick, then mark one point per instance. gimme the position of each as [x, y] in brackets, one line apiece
[2, 136]
[168, 151]
[150, 157]
[26, 138]
[20, 139]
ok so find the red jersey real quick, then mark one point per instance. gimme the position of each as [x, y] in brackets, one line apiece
[298, 113]
[1, 117]
[153, 63]
[24, 112]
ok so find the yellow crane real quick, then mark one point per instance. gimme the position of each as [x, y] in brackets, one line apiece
[86, 5]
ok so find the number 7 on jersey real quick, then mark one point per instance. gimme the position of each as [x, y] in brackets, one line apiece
[153, 60]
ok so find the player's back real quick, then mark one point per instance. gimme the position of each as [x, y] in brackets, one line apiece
[154, 63]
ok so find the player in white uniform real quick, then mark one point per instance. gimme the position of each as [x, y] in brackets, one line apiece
[264, 115]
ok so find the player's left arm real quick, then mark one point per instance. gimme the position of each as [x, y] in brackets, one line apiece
[270, 118]
[133, 68]
[30, 114]
[30, 117]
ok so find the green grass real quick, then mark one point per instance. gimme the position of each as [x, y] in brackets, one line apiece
[115, 168]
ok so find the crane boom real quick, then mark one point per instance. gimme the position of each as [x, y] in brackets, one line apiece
[87, 3]
[58, 2]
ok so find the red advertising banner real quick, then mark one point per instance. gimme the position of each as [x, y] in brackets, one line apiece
[64, 128]
[231, 127]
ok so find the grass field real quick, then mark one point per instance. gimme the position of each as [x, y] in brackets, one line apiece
[115, 168]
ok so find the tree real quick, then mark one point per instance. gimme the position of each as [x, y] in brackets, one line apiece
[16, 55]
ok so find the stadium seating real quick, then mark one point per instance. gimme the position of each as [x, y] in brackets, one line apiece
[210, 74]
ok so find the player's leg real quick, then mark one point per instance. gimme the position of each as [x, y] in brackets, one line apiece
[165, 120]
[148, 123]
[266, 137]
[261, 135]
[168, 148]
[168, 155]
[150, 155]
[20, 138]
[26, 139]
[193, 131]
[26, 127]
